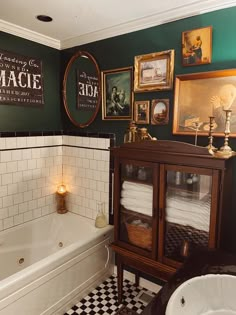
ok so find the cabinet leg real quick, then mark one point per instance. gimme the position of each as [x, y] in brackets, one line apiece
[119, 278]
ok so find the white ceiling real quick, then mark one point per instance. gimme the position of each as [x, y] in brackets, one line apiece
[76, 22]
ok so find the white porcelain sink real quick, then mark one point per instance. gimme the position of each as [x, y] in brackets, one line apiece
[205, 295]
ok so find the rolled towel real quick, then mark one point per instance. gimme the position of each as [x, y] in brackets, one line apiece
[137, 187]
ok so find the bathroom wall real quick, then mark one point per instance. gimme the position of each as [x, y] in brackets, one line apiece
[86, 163]
[31, 168]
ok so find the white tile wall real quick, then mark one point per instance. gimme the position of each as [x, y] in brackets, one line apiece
[86, 164]
[31, 168]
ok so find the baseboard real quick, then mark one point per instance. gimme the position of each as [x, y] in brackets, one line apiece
[151, 286]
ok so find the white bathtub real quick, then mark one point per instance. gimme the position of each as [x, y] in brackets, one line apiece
[64, 257]
[212, 294]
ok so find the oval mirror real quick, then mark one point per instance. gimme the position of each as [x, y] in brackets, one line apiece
[82, 89]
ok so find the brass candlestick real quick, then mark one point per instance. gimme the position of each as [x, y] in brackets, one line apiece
[225, 150]
[210, 137]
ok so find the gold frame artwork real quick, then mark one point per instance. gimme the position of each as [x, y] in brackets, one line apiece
[117, 94]
[160, 112]
[154, 71]
[200, 95]
[197, 46]
[141, 112]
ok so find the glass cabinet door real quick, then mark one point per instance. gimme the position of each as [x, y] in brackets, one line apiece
[136, 205]
[187, 209]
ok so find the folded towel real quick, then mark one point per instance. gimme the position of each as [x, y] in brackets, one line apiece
[137, 187]
[134, 205]
[202, 227]
[137, 195]
[190, 205]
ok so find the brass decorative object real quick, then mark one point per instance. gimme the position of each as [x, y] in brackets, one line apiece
[225, 150]
[131, 134]
[210, 137]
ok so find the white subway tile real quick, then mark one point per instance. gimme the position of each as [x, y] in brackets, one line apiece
[22, 187]
[7, 179]
[17, 177]
[18, 198]
[40, 141]
[11, 143]
[2, 143]
[89, 154]
[23, 207]
[89, 213]
[13, 210]
[16, 155]
[26, 154]
[36, 153]
[3, 168]
[28, 195]
[32, 204]
[4, 213]
[101, 143]
[45, 210]
[8, 223]
[6, 156]
[98, 155]
[93, 142]
[28, 216]
[12, 167]
[21, 142]
[3, 191]
[85, 142]
[37, 213]
[31, 142]
[18, 219]
[22, 165]
[32, 164]
[12, 189]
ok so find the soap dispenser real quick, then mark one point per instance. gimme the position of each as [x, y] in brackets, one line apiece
[101, 219]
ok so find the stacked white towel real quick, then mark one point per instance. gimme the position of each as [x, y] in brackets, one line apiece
[194, 212]
[137, 197]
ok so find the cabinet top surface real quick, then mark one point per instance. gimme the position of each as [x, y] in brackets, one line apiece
[172, 147]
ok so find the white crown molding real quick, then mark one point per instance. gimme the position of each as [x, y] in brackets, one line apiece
[184, 11]
[30, 35]
[195, 8]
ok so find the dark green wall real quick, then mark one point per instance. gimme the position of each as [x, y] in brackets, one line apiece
[120, 51]
[29, 118]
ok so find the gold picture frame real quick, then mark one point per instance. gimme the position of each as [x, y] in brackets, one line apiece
[154, 71]
[141, 112]
[204, 94]
[160, 112]
[197, 46]
[117, 94]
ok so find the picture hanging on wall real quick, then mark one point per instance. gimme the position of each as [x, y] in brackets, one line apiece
[141, 112]
[197, 46]
[117, 94]
[154, 71]
[21, 80]
[201, 95]
[160, 112]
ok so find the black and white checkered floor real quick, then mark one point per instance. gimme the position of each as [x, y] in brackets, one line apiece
[103, 300]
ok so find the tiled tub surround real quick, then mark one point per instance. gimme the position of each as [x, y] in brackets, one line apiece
[30, 170]
[86, 164]
[32, 167]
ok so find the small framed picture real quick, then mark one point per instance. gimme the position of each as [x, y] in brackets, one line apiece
[160, 112]
[117, 94]
[141, 112]
[197, 46]
[154, 71]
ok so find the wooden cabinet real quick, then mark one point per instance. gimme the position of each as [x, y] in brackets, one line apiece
[169, 198]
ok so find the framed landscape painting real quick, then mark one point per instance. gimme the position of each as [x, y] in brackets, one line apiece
[154, 71]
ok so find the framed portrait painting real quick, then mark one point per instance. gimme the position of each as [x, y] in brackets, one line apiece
[141, 112]
[154, 71]
[160, 112]
[197, 46]
[201, 95]
[117, 94]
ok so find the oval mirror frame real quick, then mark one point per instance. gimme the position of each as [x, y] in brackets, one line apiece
[73, 59]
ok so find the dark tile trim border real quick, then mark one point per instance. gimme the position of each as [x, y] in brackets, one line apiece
[6, 134]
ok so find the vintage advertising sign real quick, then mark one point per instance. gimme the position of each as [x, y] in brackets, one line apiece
[21, 80]
[87, 91]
